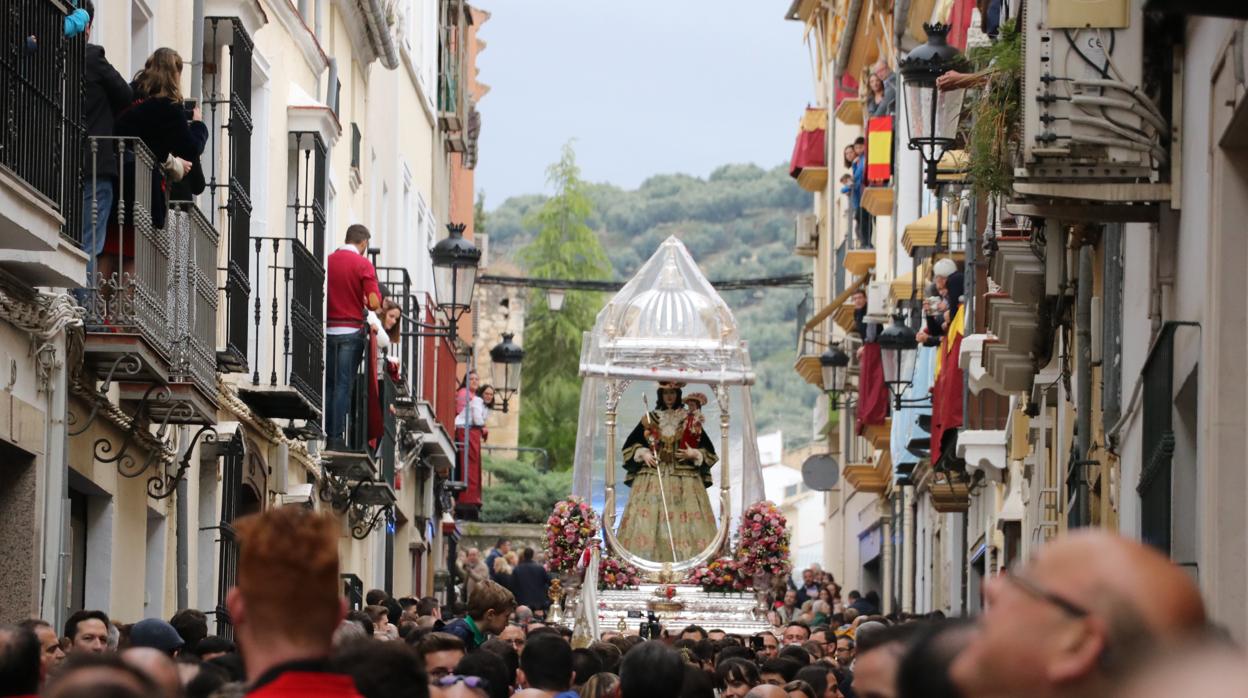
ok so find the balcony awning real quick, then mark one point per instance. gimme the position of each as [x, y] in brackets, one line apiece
[837, 302]
[903, 286]
[954, 166]
[922, 233]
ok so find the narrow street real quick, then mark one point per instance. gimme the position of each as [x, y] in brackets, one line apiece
[552, 349]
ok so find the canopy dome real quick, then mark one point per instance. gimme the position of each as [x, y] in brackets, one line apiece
[667, 322]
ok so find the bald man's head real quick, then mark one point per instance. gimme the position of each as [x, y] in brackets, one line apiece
[1075, 616]
[766, 690]
[158, 667]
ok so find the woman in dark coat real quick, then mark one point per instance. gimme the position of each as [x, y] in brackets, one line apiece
[177, 139]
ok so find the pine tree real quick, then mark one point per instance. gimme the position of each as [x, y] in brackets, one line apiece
[563, 247]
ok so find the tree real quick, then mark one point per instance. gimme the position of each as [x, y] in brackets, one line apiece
[522, 493]
[563, 246]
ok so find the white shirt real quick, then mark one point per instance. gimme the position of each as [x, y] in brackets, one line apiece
[344, 330]
[474, 411]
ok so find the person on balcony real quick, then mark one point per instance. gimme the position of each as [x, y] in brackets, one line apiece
[859, 171]
[470, 431]
[882, 90]
[351, 289]
[950, 285]
[175, 137]
[386, 329]
[105, 94]
[467, 388]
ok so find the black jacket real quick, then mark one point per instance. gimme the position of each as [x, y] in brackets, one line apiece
[529, 583]
[104, 95]
[165, 130]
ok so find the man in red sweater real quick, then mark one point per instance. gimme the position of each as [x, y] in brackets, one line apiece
[351, 290]
[287, 604]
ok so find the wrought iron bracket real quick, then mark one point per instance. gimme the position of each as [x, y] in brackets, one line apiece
[364, 518]
[159, 444]
[122, 366]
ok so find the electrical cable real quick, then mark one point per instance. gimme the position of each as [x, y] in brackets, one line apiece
[1123, 105]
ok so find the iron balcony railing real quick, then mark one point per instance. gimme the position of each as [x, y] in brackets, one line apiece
[129, 292]
[288, 342]
[41, 104]
[193, 296]
[396, 285]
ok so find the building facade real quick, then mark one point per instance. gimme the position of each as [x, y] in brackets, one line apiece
[157, 405]
[1093, 374]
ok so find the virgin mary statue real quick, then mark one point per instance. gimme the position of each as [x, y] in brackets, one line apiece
[667, 461]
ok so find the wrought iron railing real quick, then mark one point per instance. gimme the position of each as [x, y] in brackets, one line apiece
[129, 291]
[288, 343]
[41, 104]
[397, 286]
[193, 296]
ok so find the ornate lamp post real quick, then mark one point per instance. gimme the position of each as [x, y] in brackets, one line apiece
[834, 365]
[508, 359]
[931, 113]
[898, 351]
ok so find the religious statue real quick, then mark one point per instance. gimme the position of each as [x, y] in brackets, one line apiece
[668, 459]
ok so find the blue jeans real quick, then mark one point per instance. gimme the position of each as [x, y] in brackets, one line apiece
[343, 354]
[93, 235]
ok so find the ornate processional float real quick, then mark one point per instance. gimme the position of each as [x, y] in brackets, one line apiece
[666, 352]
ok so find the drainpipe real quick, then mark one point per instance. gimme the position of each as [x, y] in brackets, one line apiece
[197, 51]
[182, 542]
[56, 494]
[1083, 392]
[907, 551]
[886, 553]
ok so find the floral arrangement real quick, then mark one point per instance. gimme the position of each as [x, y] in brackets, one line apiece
[720, 575]
[570, 529]
[614, 573]
[763, 542]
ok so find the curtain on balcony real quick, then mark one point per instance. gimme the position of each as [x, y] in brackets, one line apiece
[809, 149]
[879, 150]
[947, 393]
[873, 396]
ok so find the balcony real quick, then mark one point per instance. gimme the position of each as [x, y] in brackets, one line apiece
[811, 345]
[127, 298]
[151, 305]
[41, 145]
[287, 336]
[193, 310]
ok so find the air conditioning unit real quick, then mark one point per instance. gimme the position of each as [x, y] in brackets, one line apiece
[806, 238]
[1085, 114]
[877, 302]
[298, 494]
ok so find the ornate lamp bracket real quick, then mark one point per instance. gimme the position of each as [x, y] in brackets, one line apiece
[122, 366]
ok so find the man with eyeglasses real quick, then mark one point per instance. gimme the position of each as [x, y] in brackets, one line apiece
[1069, 621]
[513, 635]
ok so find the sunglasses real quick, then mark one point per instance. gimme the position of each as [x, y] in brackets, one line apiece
[469, 681]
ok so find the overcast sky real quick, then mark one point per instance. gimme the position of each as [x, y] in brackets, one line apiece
[643, 86]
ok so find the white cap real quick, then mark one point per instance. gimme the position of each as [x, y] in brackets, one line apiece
[944, 268]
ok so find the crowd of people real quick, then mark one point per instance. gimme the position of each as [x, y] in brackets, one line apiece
[1093, 614]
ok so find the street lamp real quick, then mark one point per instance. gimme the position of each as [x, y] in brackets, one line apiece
[454, 273]
[508, 358]
[554, 299]
[898, 350]
[931, 113]
[833, 364]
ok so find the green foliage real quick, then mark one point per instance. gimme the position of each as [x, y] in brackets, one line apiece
[737, 223]
[996, 115]
[563, 246]
[522, 493]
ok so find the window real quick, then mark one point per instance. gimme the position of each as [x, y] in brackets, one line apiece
[355, 145]
[142, 40]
